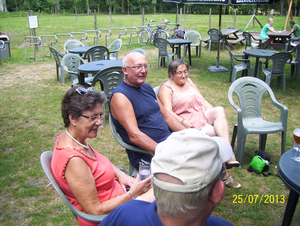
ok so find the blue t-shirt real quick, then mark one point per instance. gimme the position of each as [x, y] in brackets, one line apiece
[137, 213]
[148, 116]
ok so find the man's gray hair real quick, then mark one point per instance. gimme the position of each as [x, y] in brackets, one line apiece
[175, 204]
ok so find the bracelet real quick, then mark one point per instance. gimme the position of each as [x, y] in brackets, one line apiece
[130, 194]
[182, 120]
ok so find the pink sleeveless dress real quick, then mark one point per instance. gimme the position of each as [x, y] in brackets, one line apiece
[189, 105]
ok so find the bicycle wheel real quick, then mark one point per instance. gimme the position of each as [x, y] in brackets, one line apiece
[161, 34]
[143, 37]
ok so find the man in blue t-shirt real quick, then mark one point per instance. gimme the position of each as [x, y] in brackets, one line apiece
[187, 181]
[140, 118]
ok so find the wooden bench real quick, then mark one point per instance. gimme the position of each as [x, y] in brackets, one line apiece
[237, 40]
[206, 40]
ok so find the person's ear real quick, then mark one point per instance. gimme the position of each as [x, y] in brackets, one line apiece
[72, 119]
[124, 69]
[217, 193]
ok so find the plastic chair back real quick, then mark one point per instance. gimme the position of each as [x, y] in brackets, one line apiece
[139, 50]
[248, 37]
[250, 91]
[132, 171]
[72, 43]
[162, 45]
[196, 39]
[96, 53]
[57, 57]
[70, 63]
[214, 35]
[279, 60]
[114, 48]
[109, 79]
[45, 160]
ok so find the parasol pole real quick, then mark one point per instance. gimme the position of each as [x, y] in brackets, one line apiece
[218, 68]
[218, 51]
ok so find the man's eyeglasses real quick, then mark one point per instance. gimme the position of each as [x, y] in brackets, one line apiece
[82, 90]
[94, 118]
[139, 67]
[180, 73]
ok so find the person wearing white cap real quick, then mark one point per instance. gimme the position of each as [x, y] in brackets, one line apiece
[187, 181]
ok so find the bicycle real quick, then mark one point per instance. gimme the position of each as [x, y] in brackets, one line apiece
[146, 35]
[175, 30]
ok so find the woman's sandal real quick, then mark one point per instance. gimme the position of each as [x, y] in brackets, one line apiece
[233, 163]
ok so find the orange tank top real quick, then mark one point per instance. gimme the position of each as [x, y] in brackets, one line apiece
[101, 168]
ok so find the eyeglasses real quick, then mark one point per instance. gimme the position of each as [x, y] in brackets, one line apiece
[82, 90]
[139, 67]
[180, 73]
[94, 118]
[221, 176]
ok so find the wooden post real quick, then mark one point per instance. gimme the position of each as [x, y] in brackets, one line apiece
[234, 18]
[143, 11]
[272, 13]
[209, 18]
[95, 19]
[253, 14]
[176, 13]
[180, 17]
[288, 15]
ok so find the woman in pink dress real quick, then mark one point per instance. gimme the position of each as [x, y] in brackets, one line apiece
[88, 179]
[182, 98]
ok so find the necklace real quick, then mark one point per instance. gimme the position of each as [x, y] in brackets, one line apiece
[85, 146]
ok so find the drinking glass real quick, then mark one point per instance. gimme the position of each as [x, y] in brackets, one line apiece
[296, 135]
[144, 169]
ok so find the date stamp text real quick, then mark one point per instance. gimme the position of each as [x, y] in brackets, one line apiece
[239, 199]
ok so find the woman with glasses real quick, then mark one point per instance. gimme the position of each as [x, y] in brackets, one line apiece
[182, 98]
[88, 179]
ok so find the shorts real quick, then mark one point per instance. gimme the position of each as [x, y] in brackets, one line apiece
[206, 128]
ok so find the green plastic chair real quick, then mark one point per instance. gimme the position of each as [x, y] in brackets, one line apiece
[279, 60]
[59, 67]
[234, 69]
[139, 50]
[250, 91]
[96, 53]
[162, 45]
[72, 43]
[114, 48]
[296, 62]
[132, 171]
[109, 79]
[196, 39]
[70, 63]
[45, 160]
[248, 37]
[214, 36]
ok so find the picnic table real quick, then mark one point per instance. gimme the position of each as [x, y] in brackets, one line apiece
[231, 34]
[277, 39]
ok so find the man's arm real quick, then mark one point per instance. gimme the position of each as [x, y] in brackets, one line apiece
[170, 119]
[122, 110]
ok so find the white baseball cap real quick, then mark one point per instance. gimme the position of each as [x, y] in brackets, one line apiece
[190, 156]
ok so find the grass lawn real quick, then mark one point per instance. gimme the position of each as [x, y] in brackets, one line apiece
[30, 119]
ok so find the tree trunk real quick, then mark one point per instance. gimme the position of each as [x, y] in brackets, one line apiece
[57, 6]
[282, 7]
[87, 7]
[123, 6]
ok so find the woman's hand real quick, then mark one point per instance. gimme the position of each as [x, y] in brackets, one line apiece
[140, 187]
[188, 124]
[126, 180]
